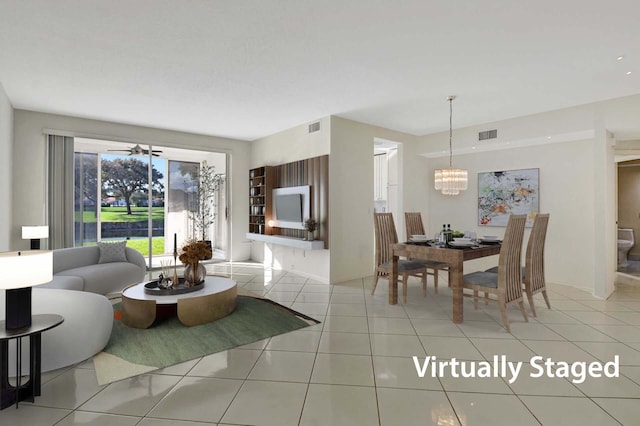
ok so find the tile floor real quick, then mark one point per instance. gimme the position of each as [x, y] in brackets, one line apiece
[631, 268]
[355, 368]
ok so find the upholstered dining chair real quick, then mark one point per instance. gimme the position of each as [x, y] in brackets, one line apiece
[506, 285]
[385, 237]
[414, 226]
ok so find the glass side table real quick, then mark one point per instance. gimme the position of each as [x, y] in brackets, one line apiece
[10, 394]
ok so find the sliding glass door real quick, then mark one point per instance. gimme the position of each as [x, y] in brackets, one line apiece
[123, 193]
[181, 199]
[86, 198]
[131, 208]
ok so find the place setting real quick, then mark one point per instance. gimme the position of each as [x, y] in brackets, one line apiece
[470, 241]
[489, 239]
[462, 242]
[420, 240]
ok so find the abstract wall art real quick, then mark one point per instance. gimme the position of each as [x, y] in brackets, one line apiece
[508, 192]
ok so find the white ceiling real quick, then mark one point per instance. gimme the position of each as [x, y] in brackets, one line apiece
[247, 69]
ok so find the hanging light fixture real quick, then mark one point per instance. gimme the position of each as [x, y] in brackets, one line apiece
[451, 181]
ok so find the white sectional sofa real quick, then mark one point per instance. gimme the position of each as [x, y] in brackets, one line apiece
[88, 320]
[77, 293]
[77, 268]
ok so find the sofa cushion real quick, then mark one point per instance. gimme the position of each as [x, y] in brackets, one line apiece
[112, 252]
[65, 282]
[75, 257]
[106, 278]
[485, 279]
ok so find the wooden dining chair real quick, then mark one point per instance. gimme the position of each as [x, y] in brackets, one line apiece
[533, 272]
[385, 237]
[533, 280]
[506, 285]
[414, 226]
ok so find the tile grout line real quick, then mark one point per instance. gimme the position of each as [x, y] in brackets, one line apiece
[368, 306]
[446, 394]
[373, 368]
[306, 394]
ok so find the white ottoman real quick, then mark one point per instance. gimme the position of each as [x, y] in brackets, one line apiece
[88, 319]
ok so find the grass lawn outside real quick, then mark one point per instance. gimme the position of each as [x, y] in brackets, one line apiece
[87, 217]
[119, 214]
[142, 245]
[138, 214]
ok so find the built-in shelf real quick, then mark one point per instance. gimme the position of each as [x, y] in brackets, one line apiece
[287, 241]
[260, 187]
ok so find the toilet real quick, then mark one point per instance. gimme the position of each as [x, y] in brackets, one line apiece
[626, 241]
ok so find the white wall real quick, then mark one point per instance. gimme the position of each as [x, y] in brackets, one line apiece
[351, 233]
[567, 145]
[291, 145]
[566, 192]
[281, 148]
[605, 209]
[573, 150]
[350, 146]
[29, 175]
[6, 148]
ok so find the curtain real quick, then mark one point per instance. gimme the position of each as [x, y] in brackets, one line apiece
[60, 191]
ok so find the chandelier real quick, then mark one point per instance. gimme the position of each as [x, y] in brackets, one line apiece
[451, 181]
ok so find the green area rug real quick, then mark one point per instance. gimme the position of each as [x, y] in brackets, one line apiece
[133, 351]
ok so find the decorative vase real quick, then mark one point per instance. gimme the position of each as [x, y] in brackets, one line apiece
[310, 236]
[194, 274]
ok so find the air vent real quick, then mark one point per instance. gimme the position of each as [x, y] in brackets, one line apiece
[314, 127]
[489, 134]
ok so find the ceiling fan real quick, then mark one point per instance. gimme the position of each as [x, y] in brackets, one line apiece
[137, 150]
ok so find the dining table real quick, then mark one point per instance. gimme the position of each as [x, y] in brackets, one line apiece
[453, 256]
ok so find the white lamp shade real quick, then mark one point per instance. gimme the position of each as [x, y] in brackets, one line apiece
[19, 269]
[35, 232]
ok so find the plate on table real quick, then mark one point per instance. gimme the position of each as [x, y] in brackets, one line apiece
[418, 238]
[461, 243]
[483, 241]
[462, 240]
[420, 243]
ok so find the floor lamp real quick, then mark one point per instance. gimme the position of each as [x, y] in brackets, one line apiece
[35, 233]
[21, 271]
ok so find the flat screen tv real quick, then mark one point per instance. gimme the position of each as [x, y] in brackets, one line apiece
[289, 207]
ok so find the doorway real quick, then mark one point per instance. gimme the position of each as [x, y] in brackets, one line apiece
[387, 178]
[146, 195]
[628, 178]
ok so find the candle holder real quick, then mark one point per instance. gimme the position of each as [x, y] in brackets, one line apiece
[175, 267]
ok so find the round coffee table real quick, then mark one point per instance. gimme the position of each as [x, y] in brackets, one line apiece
[216, 300]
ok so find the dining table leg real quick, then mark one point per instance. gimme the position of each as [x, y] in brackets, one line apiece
[455, 278]
[393, 281]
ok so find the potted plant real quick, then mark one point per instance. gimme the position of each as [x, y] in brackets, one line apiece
[206, 184]
[310, 225]
[190, 255]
